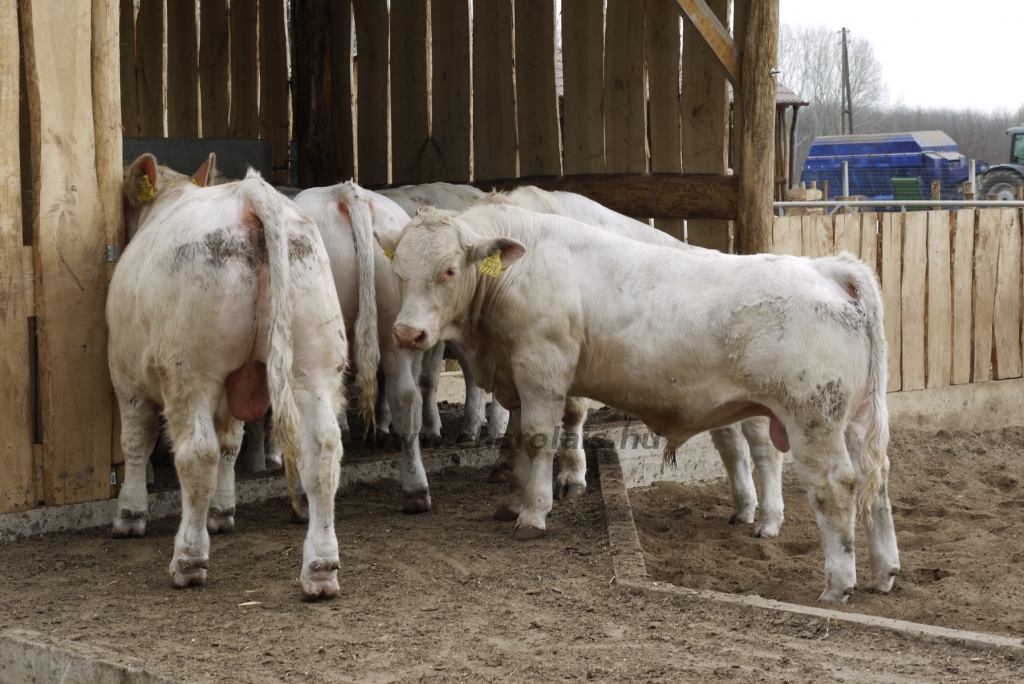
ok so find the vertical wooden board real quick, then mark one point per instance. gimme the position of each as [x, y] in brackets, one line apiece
[1006, 314]
[106, 107]
[149, 67]
[71, 278]
[494, 121]
[892, 271]
[244, 118]
[787, 235]
[17, 491]
[536, 100]
[341, 85]
[962, 227]
[313, 86]
[847, 233]
[869, 240]
[625, 112]
[940, 300]
[410, 129]
[986, 260]
[182, 70]
[129, 89]
[274, 85]
[583, 83]
[663, 52]
[915, 264]
[213, 67]
[372, 119]
[449, 159]
[817, 236]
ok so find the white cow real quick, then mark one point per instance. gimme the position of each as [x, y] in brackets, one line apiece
[222, 306]
[686, 342]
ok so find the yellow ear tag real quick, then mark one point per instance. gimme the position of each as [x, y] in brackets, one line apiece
[390, 255]
[195, 183]
[492, 265]
[146, 192]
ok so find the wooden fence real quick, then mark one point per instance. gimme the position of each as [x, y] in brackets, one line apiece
[951, 283]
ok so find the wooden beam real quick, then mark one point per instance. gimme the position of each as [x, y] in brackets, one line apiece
[372, 29]
[244, 55]
[129, 89]
[536, 97]
[182, 70]
[583, 76]
[757, 148]
[625, 117]
[663, 52]
[311, 87]
[213, 67]
[71, 280]
[274, 85]
[449, 159]
[17, 489]
[726, 52]
[494, 121]
[658, 195]
[149, 68]
[410, 120]
[341, 85]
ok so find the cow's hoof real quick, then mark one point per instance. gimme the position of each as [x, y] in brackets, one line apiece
[416, 502]
[129, 524]
[767, 530]
[465, 438]
[569, 490]
[882, 583]
[275, 460]
[526, 533]
[836, 595]
[300, 517]
[429, 441]
[189, 572]
[380, 439]
[320, 580]
[741, 519]
[506, 514]
[500, 474]
[220, 520]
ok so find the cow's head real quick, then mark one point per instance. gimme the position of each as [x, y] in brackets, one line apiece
[146, 182]
[440, 262]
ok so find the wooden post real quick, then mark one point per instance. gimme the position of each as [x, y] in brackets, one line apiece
[372, 44]
[213, 67]
[449, 160]
[17, 490]
[625, 128]
[182, 70]
[536, 98]
[1018, 192]
[663, 51]
[274, 85]
[71, 280]
[494, 121]
[341, 85]
[129, 89]
[312, 103]
[705, 116]
[583, 77]
[757, 161]
[410, 124]
[149, 67]
[244, 120]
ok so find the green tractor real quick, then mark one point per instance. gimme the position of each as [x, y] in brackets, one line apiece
[1001, 180]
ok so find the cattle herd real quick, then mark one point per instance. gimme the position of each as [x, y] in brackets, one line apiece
[232, 299]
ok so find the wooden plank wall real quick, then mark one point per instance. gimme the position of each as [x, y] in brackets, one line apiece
[951, 287]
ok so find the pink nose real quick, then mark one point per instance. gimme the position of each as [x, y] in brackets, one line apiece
[409, 337]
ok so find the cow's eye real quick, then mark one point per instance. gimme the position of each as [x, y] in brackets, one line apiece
[449, 274]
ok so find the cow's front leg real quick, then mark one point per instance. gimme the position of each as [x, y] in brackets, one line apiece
[196, 454]
[140, 427]
[732, 448]
[768, 464]
[401, 369]
[572, 475]
[539, 418]
[221, 516]
[433, 359]
[502, 470]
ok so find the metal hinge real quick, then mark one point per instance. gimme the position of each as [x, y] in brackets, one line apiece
[112, 253]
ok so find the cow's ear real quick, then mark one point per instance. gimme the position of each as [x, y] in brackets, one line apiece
[207, 173]
[388, 240]
[140, 181]
[505, 249]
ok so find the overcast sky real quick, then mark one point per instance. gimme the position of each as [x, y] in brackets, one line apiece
[935, 53]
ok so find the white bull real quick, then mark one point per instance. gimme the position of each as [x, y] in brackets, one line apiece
[222, 306]
[686, 342]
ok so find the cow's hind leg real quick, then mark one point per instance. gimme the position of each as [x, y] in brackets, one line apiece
[883, 553]
[768, 465]
[401, 369]
[825, 468]
[140, 427]
[221, 516]
[572, 475]
[196, 456]
[252, 457]
[502, 470]
[732, 448]
[476, 400]
[497, 421]
[433, 359]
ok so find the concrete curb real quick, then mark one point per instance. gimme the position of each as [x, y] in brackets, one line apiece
[631, 573]
[81, 516]
[28, 657]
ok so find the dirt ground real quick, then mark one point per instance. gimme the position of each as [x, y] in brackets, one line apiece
[440, 597]
[958, 506]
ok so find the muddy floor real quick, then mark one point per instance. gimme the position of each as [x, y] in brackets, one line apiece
[958, 506]
[440, 597]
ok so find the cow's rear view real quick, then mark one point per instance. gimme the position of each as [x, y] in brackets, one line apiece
[222, 306]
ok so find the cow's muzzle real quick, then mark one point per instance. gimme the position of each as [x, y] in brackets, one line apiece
[409, 337]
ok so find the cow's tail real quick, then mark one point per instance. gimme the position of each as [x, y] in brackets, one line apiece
[860, 281]
[265, 206]
[367, 342]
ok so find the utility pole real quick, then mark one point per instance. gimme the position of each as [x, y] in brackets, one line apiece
[847, 114]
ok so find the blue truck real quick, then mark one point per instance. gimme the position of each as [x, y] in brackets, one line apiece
[913, 159]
